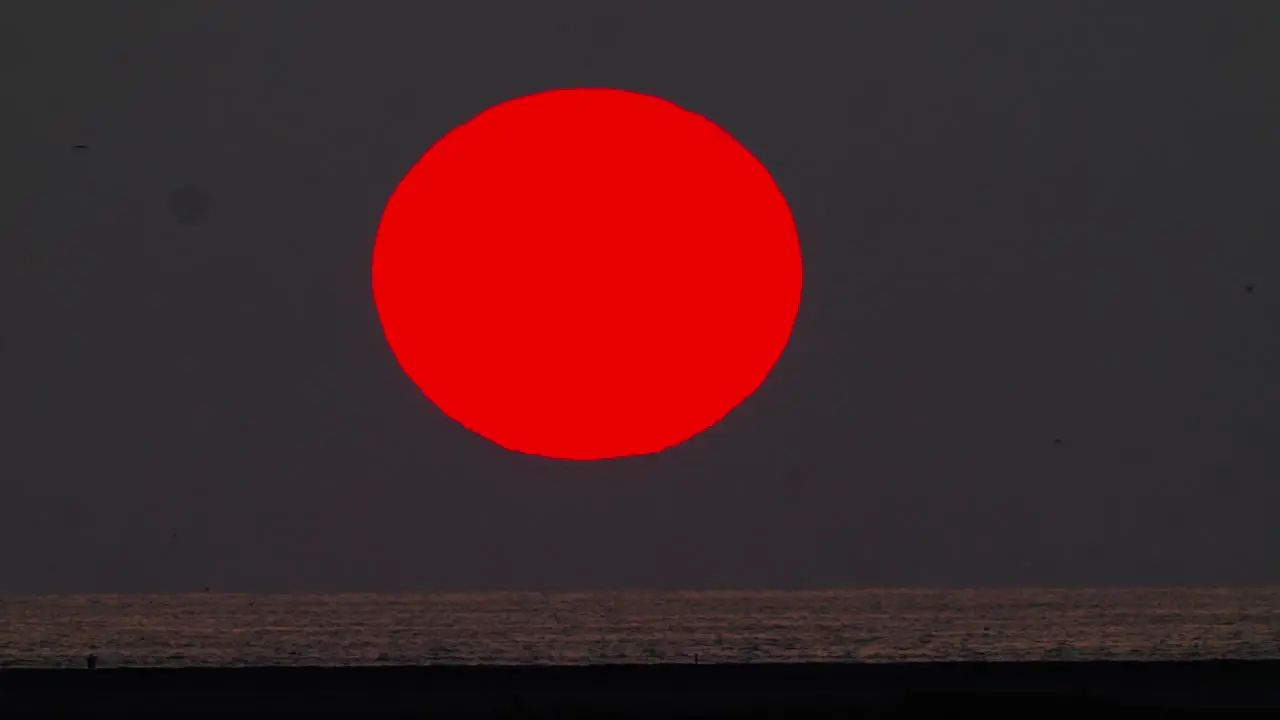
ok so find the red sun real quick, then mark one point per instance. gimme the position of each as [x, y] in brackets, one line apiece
[587, 274]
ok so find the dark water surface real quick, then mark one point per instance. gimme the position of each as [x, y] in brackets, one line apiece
[627, 627]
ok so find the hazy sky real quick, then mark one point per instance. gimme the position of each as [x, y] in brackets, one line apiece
[1038, 343]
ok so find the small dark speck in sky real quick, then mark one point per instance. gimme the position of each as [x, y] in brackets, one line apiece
[189, 204]
[1248, 289]
[1057, 441]
[80, 149]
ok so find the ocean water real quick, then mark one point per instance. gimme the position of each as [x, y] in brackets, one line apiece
[513, 628]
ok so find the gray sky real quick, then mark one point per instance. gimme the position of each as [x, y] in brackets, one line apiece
[1026, 354]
